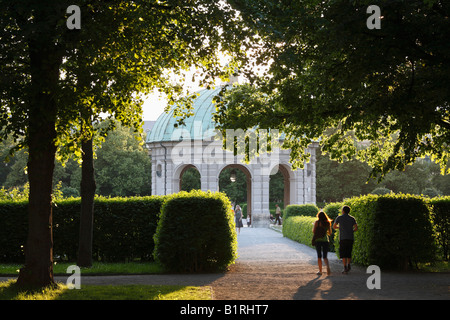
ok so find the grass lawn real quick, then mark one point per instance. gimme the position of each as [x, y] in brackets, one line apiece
[97, 268]
[9, 291]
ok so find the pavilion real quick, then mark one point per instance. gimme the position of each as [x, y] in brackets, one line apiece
[197, 145]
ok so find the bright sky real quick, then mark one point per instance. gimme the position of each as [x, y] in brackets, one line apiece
[155, 103]
[153, 107]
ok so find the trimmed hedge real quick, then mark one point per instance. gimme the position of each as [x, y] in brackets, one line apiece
[123, 228]
[394, 231]
[13, 230]
[196, 232]
[333, 210]
[299, 228]
[292, 210]
[441, 222]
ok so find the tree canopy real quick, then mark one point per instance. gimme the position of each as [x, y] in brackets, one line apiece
[56, 81]
[331, 79]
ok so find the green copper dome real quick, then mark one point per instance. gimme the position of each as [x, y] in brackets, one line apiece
[197, 127]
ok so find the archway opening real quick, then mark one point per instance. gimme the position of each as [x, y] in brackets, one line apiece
[279, 188]
[190, 179]
[235, 182]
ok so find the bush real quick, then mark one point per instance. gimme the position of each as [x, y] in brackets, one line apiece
[123, 228]
[393, 230]
[293, 210]
[441, 222]
[299, 228]
[333, 210]
[196, 232]
[13, 230]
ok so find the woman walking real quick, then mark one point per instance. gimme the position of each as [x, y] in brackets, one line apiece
[321, 231]
[238, 218]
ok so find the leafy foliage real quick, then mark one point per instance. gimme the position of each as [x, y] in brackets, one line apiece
[394, 231]
[309, 210]
[299, 228]
[333, 210]
[190, 180]
[56, 82]
[441, 222]
[332, 80]
[123, 228]
[196, 232]
[122, 168]
[337, 181]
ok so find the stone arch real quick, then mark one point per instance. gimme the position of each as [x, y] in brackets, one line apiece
[288, 179]
[178, 174]
[248, 176]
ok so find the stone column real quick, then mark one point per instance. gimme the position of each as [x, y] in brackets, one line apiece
[260, 198]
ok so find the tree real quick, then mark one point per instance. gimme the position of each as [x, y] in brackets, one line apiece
[191, 180]
[336, 181]
[332, 79]
[40, 60]
[237, 190]
[122, 165]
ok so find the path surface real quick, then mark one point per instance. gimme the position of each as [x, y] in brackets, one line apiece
[272, 267]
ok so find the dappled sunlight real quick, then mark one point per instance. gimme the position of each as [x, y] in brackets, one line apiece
[10, 291]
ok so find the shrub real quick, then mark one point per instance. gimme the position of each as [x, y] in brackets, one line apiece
[441, 222]
[393, 230]
[196, 232]
[333, 210]
[123, 228]
[13, 230]
[299, 228]
[292, 210]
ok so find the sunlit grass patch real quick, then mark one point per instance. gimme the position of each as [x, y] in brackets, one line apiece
[97, 268]
[10, 291]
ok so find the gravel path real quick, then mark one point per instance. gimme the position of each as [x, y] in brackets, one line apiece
[271, 267]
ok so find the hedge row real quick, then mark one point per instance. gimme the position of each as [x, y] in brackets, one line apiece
[394, 231]
[292, 210]
[192, 231]
[299, 228]
[123, 228]
[196, 232]
[13, 230]
[440, 218]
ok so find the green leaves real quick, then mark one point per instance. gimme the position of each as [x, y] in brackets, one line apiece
[196, 232]
[376, 94]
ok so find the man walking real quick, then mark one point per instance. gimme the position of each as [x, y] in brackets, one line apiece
[347, 226]
[277, 215]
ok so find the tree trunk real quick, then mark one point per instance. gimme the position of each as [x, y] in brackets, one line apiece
[38, 269]
[44, 65]
[87, 205]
